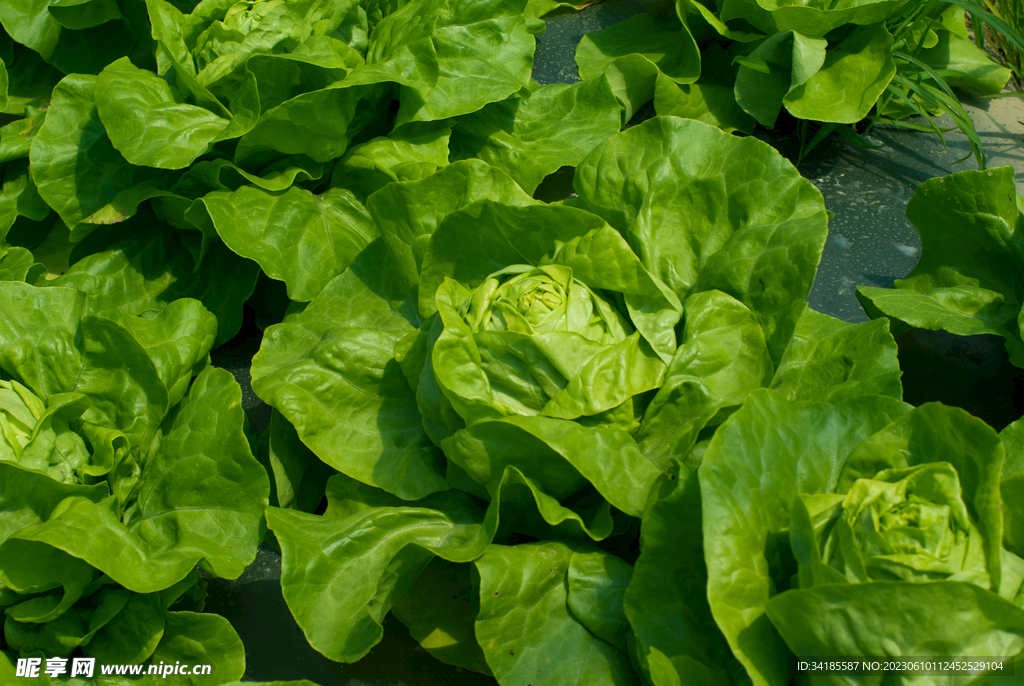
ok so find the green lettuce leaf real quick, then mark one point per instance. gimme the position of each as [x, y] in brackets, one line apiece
[407, 155]
[763, 252]
[75, 37]
[3, 86]
[985, 623]
[531, 137]
[1012, 486]
[377, 545]
[185, 510]
[440, 611]
[815, 18]
[525, 625]
[781, 63]
[299, 477]
[19, 197]
[407, 214]
[105, 190]
[451, 49]
[338, 355]
[722, 357]
[970, 279]
[144, 272]
[854, 74]
[149, 122]
[297, 237]
[666, 600]
[760, 459]
[965, 65]
[829, 360]
[633, 53]
[710, 99]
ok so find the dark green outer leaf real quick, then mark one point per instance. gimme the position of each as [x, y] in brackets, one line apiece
[297, 237]
[666, 601]
[710, 99]
[665, 43]
[148, 122]
[196, 639]
[636, 52]
[59, 635]
[440, 611]
[896, 618]
[790, 58]
[317, 63]
[134, 276]
[531, 137]
[331, 372]
[31, 84]
[556, 453]
[407, 214]
[343, 571]
[829, 360]
[968, 221]
[3, 86]
[964, 65]
[704, 210]
[679, 670]
[855, 73]
[83, 14]
[525, 628]
[597, 582]
[467, 54]
[75, 166]
[223, 175]
[86, 50]
[19, 196]
[134, 633]
[223, 283]
[812, 19]
[1012, 486]
[141, 274]
[299, 476]
[970, 279]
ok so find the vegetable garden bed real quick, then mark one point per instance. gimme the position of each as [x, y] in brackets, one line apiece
[531, 400]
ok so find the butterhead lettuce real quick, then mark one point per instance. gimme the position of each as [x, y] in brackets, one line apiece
[124, 464]
[854, 528]
[502, 385]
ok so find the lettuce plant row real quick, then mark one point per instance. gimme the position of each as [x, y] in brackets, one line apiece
[490, 480]
[601, 440]
[740, 63]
